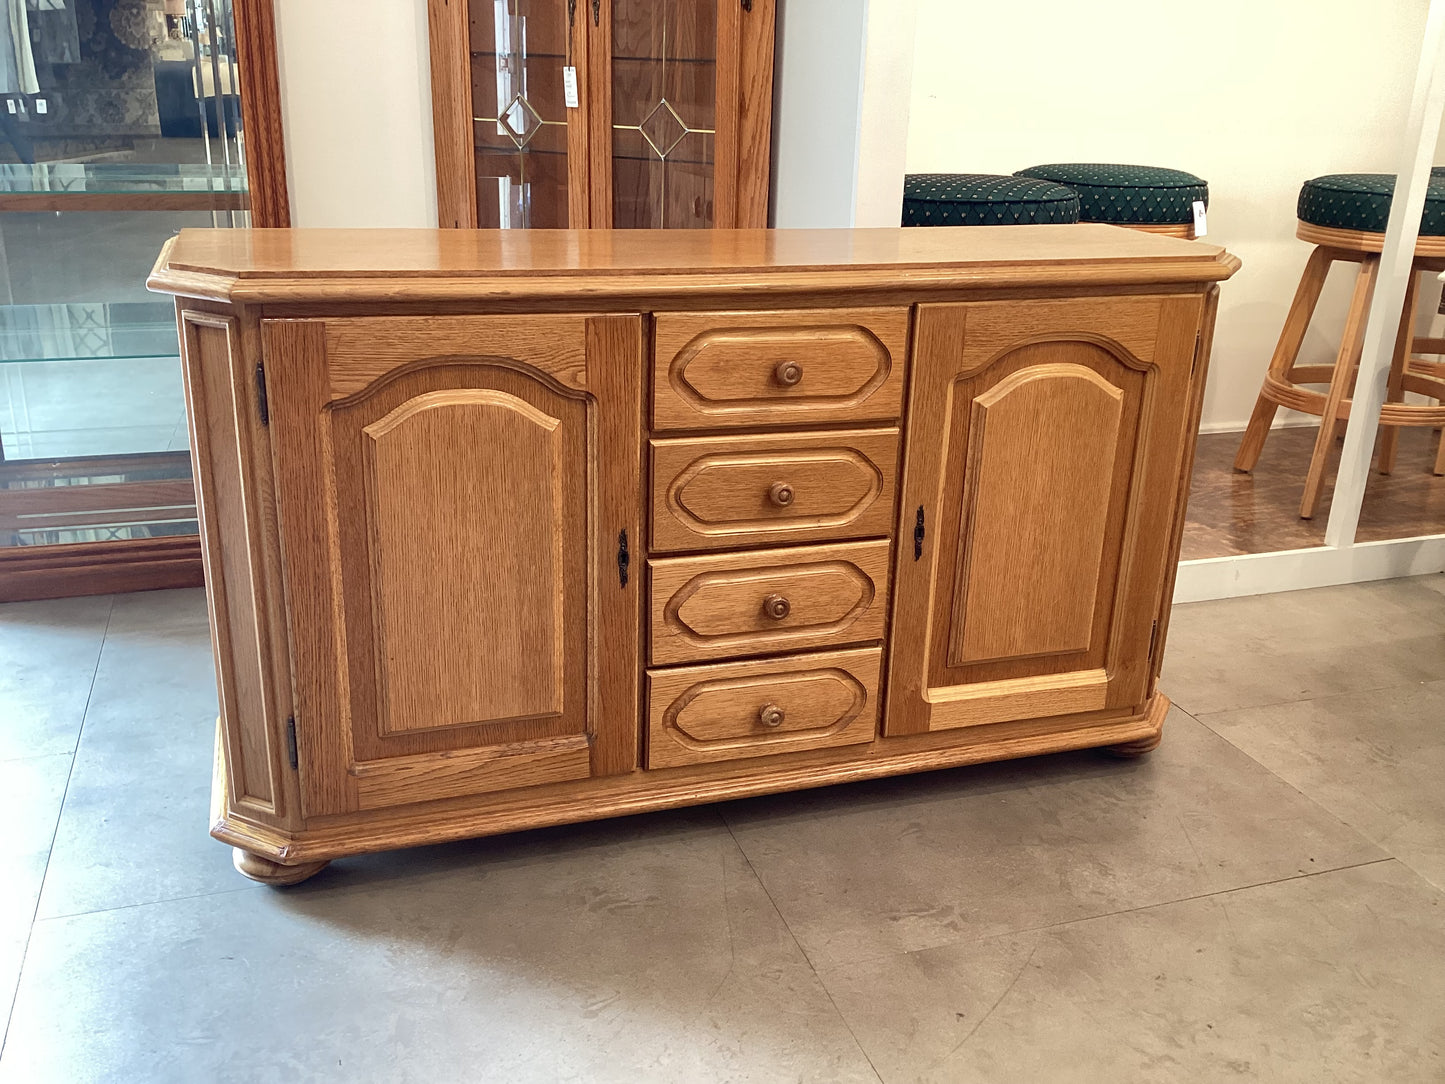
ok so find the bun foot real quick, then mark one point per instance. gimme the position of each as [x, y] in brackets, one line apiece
[1131, 749]
[272, 873]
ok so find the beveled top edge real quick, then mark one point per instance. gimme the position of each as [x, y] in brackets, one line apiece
[259, 265]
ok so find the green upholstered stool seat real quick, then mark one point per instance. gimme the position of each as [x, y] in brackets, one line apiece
[1361, 201]
[1128, 195]
[984, 199]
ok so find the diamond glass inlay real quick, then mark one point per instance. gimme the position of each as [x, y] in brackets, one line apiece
[521, 121]
[663, 129]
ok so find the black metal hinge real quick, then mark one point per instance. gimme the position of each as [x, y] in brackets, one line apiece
[596, 12]
[261, 406]
[1153, 639]
[747, 5]
[624, 559]
[918, 533]
[291, 742]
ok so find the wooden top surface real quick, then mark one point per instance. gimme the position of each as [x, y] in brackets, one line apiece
[299, 265]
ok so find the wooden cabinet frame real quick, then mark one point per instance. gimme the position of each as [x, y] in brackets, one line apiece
[743, 147]
[782, 656]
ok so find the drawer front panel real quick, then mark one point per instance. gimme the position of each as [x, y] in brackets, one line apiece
[803, 367]
[732, 711]
[747, 490]
[764, 603]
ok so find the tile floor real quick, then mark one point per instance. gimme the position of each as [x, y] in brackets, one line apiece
[1261, 899]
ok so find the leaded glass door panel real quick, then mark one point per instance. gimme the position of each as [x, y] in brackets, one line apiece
[664, 113]
[520, 117]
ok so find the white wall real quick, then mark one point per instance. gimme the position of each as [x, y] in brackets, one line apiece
[840, 111]
[356, 110]
[817, 87]
[888, 59]
[1254, 95]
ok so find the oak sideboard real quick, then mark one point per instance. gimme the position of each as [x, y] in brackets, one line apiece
[516, 528]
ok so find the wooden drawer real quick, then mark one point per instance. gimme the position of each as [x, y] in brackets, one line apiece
[715, 369]
[772, 601]
[709, 493]
[730, 711]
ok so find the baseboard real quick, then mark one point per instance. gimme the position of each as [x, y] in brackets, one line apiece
[100, 568]
[1297, 570]
[1298, 421]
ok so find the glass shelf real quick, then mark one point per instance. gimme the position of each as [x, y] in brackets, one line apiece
[118, 178]
[87, 331]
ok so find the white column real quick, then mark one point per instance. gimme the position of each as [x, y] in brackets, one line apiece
[1417, 152]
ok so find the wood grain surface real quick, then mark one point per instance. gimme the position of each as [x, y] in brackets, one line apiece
[714, 492]
[416, 266]
[758, 603]
[794, 368]
[434, 557]
[731, 711]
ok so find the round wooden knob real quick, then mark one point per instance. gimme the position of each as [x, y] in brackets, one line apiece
[770, 715]
[789, 373]
[781, 494]
[776, 607]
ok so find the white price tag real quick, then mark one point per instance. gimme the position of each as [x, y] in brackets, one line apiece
[10, 104]
[569, 86]
[42, 106]
[1200, 225]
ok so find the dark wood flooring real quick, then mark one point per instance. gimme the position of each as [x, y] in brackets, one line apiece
[1232, 513]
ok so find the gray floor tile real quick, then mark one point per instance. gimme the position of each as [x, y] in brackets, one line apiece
[1272, 649]
[31, 791]
[48, 653]
[642, 950]
[134, 827]
[12, 952]
[1338, 977]
[925, 860]
[1376, 760]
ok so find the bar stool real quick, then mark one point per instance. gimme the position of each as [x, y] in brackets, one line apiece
[984, 199]
[1150, 198]
[1344, 216]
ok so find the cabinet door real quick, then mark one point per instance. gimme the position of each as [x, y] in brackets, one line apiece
[453, 493]
[510, 152]
[681, 111]
[1041, 465]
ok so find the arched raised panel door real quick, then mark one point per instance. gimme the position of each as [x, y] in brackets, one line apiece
[459, 570]
[1040, 467]
[481, 637]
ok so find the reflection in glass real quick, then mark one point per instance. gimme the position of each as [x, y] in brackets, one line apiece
[119, 124]
[519, 49]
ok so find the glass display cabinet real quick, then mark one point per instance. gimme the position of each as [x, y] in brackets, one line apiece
[123, 124]
[631, 114]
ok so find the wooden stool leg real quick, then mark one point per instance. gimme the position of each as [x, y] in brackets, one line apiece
[1395, 389]
[1291, 336]
[1350, 347]
[1440, 455]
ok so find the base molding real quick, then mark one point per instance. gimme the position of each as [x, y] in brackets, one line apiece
[100, 568]
[324, 839]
